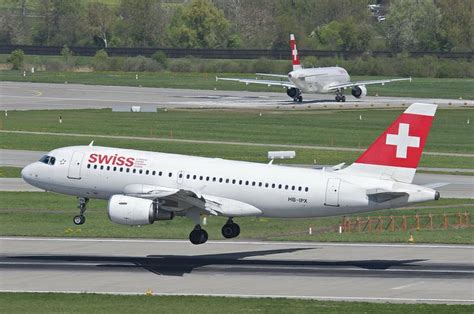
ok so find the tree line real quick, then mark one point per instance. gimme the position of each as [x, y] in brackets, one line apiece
[347, 25]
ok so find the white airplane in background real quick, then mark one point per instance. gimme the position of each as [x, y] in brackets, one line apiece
[142, 187]
[315, 80]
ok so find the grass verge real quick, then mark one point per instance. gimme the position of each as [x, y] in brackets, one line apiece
[95, 303]
[419, 87]
[49, 214]
[10, 172]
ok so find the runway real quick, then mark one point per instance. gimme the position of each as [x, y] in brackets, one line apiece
[326, 271]
[29, 96]
[458, 186]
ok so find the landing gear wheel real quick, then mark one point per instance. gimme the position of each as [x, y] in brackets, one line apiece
[343, 98]
[198, 236]
[230, 230]
[300, 98]
[338, 98]
[79, 219]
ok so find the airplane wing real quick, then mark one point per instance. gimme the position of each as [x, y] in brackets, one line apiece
[287, 83]
[179, 200]
[352, 84]
[272, 75]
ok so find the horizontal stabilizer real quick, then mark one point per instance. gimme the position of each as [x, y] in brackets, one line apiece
[381, 195]
[435, 185]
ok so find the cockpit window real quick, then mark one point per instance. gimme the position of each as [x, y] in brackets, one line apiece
[49, 160]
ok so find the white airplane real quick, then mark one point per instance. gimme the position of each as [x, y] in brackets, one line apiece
[142, 187]
[315, 80]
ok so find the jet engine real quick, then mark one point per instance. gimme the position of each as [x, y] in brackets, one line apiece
[293, 92]
[132, 211]
[359, 91]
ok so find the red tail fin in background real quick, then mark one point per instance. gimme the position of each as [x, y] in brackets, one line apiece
[396, 153]
[295, 59]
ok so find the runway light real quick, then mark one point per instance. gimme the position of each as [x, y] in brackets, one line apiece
[411, 239]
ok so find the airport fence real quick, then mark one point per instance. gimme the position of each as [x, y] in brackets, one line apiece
[280, 54]
[406, 222]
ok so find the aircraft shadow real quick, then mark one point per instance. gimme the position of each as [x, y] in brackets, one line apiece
[178, 265]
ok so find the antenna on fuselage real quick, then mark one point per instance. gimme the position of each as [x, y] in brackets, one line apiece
[91, 143]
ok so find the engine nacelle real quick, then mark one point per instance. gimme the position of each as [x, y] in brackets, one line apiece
[359, 91]
[132, 211]
[293, 92]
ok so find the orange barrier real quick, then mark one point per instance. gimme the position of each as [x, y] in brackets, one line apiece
[407, 222]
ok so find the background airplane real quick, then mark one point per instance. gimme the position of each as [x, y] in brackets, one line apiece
[143, 187]
[321, 80]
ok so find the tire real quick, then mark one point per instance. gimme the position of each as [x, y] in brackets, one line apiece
[236, 230]
[79, 219]
[228, 231]
[198, 236]
[338, 99]
[300, 98]
[343, 98]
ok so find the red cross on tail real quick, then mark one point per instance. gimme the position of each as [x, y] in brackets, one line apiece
[396, 153]
[295, 59]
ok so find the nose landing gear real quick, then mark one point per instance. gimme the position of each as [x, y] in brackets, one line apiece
[81, 219]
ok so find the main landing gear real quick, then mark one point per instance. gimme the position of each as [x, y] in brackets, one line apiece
[340, 96]
[80, 219]
[198, 235]
[230, 229]
[298, 99]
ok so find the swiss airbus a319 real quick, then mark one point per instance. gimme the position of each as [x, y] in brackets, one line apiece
[322, 80]
[142, 187]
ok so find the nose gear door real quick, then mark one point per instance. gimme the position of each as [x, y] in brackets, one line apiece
[75, 166]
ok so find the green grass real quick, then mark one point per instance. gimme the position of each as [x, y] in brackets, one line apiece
[94, 303]
[300, 127]
[234, 152]
[49, 214]
[420, 87]
[10, 172]
[290, 127]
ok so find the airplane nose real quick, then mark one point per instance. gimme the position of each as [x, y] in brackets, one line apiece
[26, 172]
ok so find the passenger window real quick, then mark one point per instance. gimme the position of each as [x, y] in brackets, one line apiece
[170, 174]
[200, 178]
[188, 176]
[306, 189]
[273, 185]
[220, 180]
[88, 166]
[240, 182]
[207, 178]
[253, 183]
[246, 183]
[102, 167]
[259, 183]
[160, 173]
[214, 179]
[108, 168]
[115, 168]
[128, 170]
[226, 180]
[134, 170]
[153, 173]
[266, 185]
[299, 188]
[121, 169]
[279, 186]
[293, 188]
[180, 175]
[286, 187]
[194, 177]
[140, 171]
[95, 166]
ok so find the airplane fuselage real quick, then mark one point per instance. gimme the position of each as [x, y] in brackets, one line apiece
[278, 191]
[318, 80]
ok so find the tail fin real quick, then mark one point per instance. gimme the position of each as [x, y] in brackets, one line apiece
[395, 154]
[294, 53]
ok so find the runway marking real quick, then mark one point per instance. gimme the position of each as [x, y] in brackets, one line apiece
[156, 139]
[408, 285]
[258, 296]
[223, 242]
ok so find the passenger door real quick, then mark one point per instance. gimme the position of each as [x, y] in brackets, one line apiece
[332, 192]
[75, 166]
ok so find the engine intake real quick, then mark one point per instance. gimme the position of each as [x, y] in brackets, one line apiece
[359, 91]
[132, 211]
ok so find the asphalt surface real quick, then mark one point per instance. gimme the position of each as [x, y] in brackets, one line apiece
[28, 96]
[458, 186]
[326, 271]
